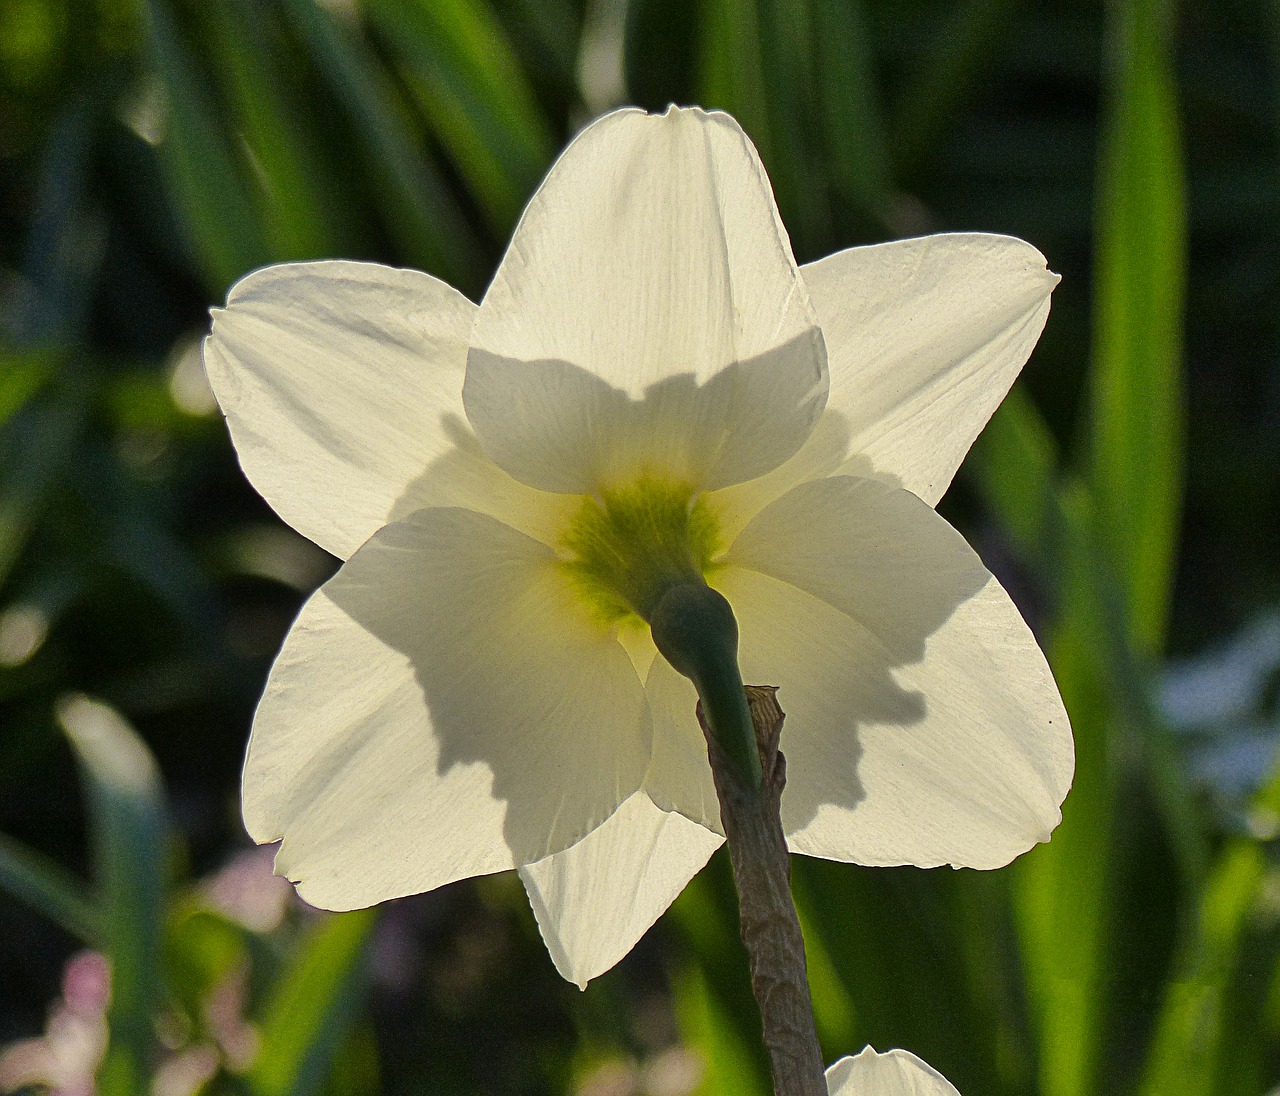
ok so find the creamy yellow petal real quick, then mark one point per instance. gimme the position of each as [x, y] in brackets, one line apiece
[648, 313]
[337, 379]
[923, 724]
[597, 898]
[894, 1073]
[924, 338]
[679, 774]
[441, 709]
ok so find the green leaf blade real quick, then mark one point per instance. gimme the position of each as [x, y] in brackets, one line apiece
[130, 829]
[413, 201]
[1137, 386]
[310, 1014]
[465, 76]
[227, 236]
[49, 889]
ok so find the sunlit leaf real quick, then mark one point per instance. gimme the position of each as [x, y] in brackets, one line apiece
[464, 75]
[297, 198]
[1191, 1052]
[1137, 390]
[224, 230]
[415, 205]
[128, 813]
[311, 1010]
[721, 1043]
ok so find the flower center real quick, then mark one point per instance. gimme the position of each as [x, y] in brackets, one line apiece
[633, 543]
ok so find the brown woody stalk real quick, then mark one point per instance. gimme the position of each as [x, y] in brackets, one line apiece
[767, 914]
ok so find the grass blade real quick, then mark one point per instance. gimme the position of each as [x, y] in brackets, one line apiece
[227, 236]
[1066, 891]
[1192, 1052]
[849, 108]
[310, 1014]
[547, 35]
[465, 76]
[417, 209]
[731, 71]
[297, 198]
[1137, 392]
[130, 834]
[798, 173]
[36, 457]
[50, 890]
[1015, 461]
[1063, 891]
[706, 1026]
[723, 1020]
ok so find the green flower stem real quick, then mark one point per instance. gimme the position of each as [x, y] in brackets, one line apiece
[694, 629]
[767, 915]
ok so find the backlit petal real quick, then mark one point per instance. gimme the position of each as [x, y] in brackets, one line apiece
[924, 338]
[923, 725]
[894, 1073]
[336, 379]
[597, 898]
[679, 775]
[441, 709]
[647, 313]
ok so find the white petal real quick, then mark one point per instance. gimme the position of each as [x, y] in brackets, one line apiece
[924, 338]
[894, 1073]
[923, 725]
[336, 379]
[647, 312]
[597, 898]
[442, 708]
[679, 776]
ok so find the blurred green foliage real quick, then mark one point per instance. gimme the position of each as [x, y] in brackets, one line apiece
[152, 151]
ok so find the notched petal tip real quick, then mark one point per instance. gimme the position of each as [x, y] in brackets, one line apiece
[334, 378]
[924, 338]
[594, 900]
[893, 1073]
[652, 259]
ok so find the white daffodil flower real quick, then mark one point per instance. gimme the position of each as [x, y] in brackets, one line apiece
[650, 387]
[894, 1073]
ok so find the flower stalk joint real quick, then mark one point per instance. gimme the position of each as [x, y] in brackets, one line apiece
[694, 629]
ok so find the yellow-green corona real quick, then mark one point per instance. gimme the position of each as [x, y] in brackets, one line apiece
[646, 549]
[631, 544]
